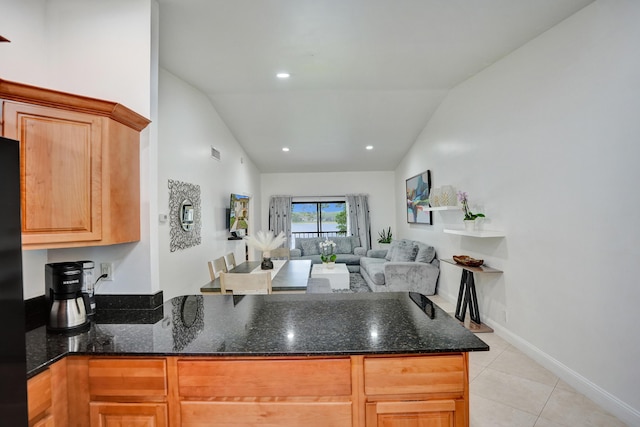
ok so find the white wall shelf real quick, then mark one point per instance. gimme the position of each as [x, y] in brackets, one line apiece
[443, 208]
[483, 233]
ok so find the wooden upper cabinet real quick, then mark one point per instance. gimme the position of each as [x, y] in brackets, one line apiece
[80, 167]
[60, 173]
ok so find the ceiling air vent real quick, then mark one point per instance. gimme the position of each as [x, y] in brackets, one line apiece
[215, 153]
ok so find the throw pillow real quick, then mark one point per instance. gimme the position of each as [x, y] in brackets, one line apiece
[425, 253]
[310, 247]
[405, 251]
[391, 249]
[343, 245]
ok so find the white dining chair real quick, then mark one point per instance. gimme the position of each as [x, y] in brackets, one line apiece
[230, 260]
[216, 267]
[245, 283]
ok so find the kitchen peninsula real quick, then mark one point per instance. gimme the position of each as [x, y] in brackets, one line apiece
[374, 359]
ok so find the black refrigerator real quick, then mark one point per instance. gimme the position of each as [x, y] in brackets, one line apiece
[13, 364]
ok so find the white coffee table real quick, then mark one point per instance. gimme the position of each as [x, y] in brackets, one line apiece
[338, 275]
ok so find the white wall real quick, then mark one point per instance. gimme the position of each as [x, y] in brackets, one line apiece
[378, 185]
[89, 47]
[546, 142]
[189, 127]
[25, 58]
[97, 49]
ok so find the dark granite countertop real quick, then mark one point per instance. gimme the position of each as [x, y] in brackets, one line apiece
[266, 325]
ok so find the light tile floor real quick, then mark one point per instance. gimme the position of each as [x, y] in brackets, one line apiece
[509, 389]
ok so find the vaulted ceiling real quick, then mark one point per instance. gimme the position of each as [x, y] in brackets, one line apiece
[362, 72]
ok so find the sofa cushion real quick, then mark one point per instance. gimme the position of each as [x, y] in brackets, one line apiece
[425, 253]
[310, 247]
[404, 251]
[343, 245]
[360, 251]
[374, 268]
[349, 259]
[355, 242]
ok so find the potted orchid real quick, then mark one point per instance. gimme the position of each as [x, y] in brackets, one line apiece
[327, 256]
[469, 217]
[265, 242]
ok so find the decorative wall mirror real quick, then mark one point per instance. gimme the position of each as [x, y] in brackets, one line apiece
[184, 215]
[187, 215]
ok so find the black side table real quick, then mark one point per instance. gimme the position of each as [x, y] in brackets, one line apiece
[467, 296]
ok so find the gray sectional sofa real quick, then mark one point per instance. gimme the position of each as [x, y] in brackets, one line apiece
[348, 250]
[407, 265]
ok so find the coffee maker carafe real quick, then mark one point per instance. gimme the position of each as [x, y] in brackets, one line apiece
[67, 306]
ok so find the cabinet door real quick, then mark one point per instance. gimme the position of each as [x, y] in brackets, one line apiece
[60, 177]
[104, 414]
[437, 413]
[39, 396]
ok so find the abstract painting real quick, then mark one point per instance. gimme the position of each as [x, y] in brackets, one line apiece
[418, 190]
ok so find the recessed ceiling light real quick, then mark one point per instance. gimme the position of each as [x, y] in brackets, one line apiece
[285, 149]
[283, 75]
[369, 147]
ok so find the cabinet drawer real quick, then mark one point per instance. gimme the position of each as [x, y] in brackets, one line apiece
[267, 414]
[264, 378]
[127, 377]
[414, 375]
[39, 394]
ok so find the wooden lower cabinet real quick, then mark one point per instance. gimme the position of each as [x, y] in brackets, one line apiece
[417, 391]
[355, 391]
[291, 392]
[47, 401]
[39, 397]
[128, 392]
[109, 414]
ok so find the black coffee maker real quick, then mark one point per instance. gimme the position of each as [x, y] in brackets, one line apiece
[64, 289]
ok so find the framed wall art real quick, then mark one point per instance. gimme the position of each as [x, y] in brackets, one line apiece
[418, 191]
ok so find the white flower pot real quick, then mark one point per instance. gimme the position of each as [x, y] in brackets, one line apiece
[329, 265]
[469, 224]
[384, 245]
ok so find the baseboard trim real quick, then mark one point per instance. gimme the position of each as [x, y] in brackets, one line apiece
[581, 384]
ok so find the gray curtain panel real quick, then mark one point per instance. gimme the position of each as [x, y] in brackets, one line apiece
[280, 216]
[358, 217]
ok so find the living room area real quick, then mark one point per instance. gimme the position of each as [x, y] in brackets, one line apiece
[521, 141]
[543, 140]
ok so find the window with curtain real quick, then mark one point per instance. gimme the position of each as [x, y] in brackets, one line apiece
[318, 219]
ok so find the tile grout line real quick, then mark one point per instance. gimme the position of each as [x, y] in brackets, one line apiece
[547, 402]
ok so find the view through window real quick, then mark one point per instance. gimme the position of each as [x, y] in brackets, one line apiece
[318, 219]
